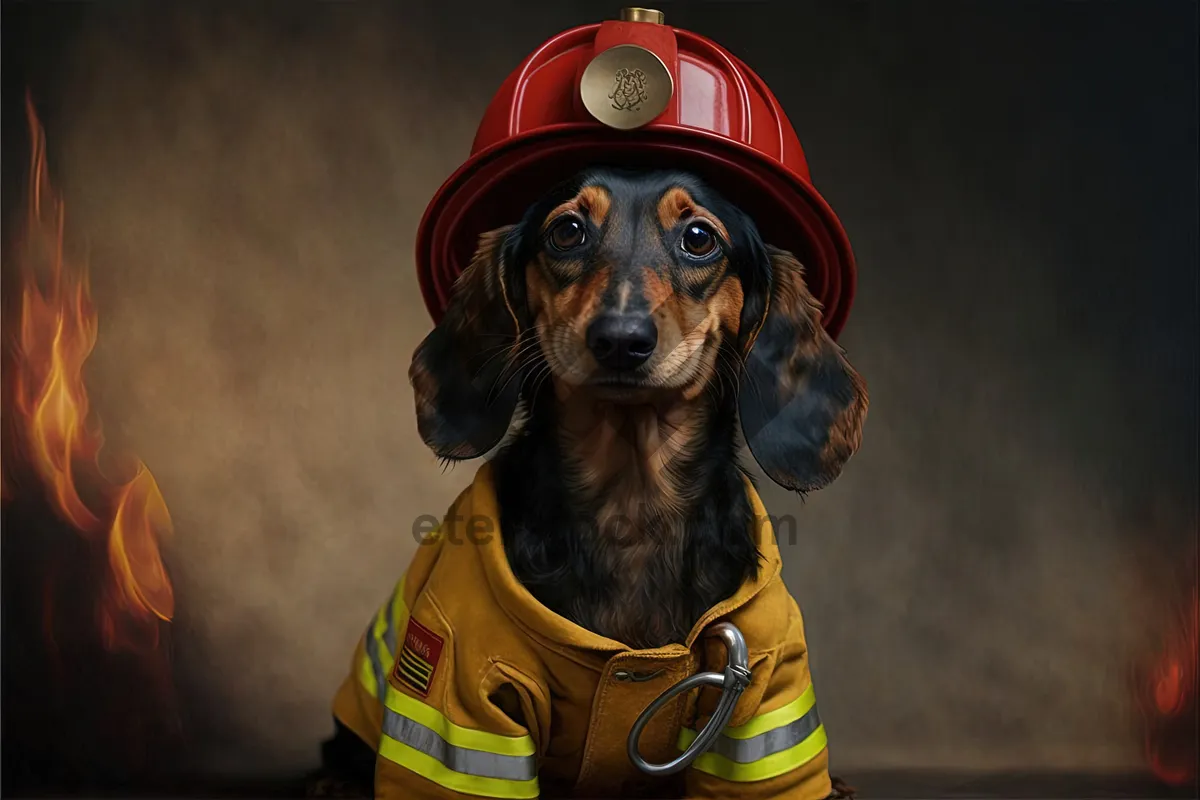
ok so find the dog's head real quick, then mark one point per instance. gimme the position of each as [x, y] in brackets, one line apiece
[631, 287]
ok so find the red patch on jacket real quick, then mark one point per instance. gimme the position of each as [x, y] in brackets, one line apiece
[418, 657]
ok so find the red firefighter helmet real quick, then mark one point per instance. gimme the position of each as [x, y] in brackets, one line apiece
[636, 92]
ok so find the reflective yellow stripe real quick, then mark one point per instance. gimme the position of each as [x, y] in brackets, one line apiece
[418, 737]
[768, 745]
[456, 735]
[429, 767]
[378, 657]
[366, 675]
[775, 719]
[769, 767]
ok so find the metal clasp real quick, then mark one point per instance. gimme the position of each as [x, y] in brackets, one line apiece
[733, 681]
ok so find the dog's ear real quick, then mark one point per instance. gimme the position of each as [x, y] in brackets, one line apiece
[466, 374]
[802, 405]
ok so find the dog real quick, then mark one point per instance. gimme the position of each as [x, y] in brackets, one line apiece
[609, 352]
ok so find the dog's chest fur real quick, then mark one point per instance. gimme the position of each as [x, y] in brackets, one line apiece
[629, 522]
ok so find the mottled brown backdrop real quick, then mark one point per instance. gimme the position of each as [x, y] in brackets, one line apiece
[1019, 183]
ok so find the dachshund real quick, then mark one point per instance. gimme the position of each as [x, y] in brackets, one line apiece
[603, 351]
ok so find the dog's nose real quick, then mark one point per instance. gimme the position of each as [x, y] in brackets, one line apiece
[622, 341]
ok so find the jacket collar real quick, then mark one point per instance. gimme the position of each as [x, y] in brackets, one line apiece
[523, 607]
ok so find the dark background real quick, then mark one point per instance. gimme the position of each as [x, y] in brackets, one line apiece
[1018, 180]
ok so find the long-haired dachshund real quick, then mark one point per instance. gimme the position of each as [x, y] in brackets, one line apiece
[603, 349]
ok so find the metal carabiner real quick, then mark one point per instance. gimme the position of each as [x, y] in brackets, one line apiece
[733, 681]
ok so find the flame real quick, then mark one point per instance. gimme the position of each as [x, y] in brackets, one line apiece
[56, 335]
[1168, 695]
[56, 440]
[141, 583]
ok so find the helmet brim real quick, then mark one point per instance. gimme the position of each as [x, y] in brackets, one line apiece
[495, 186]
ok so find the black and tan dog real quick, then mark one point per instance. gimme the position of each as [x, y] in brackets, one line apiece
[626, 325]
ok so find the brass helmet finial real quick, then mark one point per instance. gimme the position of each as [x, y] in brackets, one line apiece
[651, 15]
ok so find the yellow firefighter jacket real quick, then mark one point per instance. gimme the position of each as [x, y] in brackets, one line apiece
[466, 686]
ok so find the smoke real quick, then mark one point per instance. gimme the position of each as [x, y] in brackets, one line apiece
[248, 188]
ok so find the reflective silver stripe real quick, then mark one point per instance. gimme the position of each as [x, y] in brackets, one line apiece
[744, 751]
[378, 667]
[458, 759]
[376, 661]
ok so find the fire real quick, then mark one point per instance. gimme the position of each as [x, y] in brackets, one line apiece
[54, 437]
[1167, 689]
[141, 584]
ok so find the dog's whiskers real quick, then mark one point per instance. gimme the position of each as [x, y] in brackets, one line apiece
[513, 367]
[539, 378]
[496, 351]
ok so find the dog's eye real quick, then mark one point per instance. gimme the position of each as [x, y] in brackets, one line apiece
[698, 240]
[566, 234]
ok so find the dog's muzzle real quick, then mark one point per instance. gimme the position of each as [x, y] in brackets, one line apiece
[733, 681]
